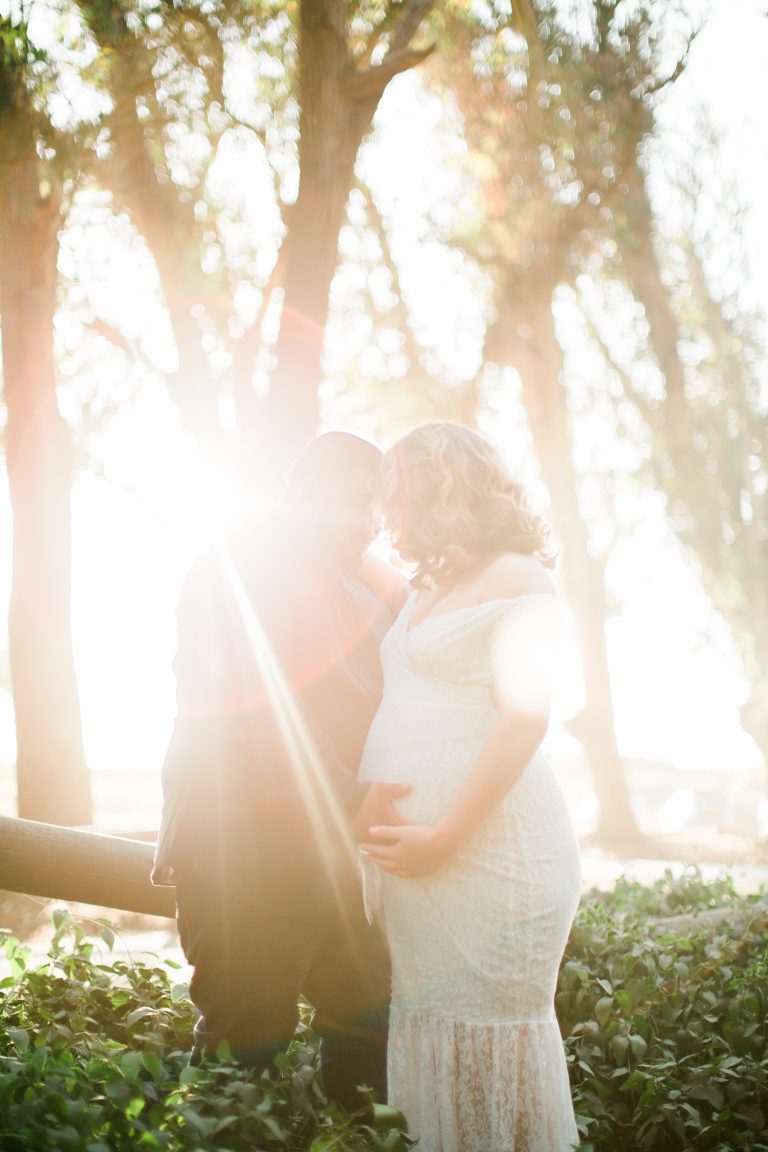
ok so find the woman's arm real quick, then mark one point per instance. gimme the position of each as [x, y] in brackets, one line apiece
[418, 849]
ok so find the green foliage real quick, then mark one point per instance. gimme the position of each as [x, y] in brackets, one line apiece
[18, 57]
[665, 1026]
[94, 1058]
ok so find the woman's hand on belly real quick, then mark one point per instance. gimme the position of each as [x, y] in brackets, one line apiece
[408, 849]
[378, 808]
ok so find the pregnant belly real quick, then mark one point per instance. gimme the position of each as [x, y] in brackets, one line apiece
[432, 753]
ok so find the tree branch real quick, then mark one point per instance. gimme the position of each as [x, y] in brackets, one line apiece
[246, 349]
[119, 340]
[413, 349]
[370, 82]
[523, 20]
[677, 71]
[381, 30]
[651, 415]
[414, 12]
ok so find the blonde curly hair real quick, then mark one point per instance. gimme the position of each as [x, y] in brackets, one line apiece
[451, 504]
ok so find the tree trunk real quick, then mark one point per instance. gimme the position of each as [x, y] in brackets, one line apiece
[337, 97]
[53, 780]
[168, 225]
[337, 102]
[754, 716]
[694, 470]
[532, 347]
[692, 488]
[332, 126]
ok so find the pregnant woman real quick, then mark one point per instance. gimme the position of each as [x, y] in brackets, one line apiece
[478, 890]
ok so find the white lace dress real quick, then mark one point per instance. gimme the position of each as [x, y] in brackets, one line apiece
[476, 1060]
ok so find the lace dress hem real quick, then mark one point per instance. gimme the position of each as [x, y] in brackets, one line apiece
[477, 1087]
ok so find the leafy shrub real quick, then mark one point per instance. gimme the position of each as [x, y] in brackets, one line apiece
[94, 1058]
[665, 1029]
[665, 1025]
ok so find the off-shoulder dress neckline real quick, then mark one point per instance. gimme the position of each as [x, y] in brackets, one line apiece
[407, 609]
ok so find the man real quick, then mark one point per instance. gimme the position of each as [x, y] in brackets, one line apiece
[278, 679]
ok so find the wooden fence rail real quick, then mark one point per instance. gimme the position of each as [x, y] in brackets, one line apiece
[113, 872]
[84, 867]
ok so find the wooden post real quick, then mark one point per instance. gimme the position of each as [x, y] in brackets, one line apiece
[84, 867]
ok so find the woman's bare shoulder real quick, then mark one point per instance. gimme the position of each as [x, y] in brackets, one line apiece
[514, 574]
[385, 581]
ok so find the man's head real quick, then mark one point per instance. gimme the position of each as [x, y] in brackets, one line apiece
[332, 486]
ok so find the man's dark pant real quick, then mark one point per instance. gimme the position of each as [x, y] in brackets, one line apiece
[252, 963]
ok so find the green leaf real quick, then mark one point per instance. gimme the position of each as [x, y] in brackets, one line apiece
[634, 1080]
[138, 1014]
[709, 1092]
[386, 1118]
[624, 998]
[134, 1107]
[60, 918]
[19, 1037]
[107, 935]
[131, 1064]
[604, 1009]
[154, 1066]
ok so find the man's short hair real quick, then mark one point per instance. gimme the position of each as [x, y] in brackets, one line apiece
[334, 456]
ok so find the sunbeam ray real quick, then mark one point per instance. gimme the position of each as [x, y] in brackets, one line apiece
[329, 824]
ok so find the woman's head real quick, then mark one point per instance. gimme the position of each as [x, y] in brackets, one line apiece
[450, 503]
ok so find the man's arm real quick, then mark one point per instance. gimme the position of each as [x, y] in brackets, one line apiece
[388, 584]
[187, 748]
[241, 694]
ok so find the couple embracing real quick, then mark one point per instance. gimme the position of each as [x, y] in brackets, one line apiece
[356, 808]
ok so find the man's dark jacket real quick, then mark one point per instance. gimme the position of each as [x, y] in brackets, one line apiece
[278, 680]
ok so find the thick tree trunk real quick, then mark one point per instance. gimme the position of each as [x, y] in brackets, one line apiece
[337, 102]
[533, 348]
[168, 225]
[332, 125]
[53, 780]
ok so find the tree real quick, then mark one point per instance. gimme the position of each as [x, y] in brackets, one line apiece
[337, 61]
[705, 408]
[163, 71]
[342, 77]
[545, 171]
[150, 64]
[53, 781]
